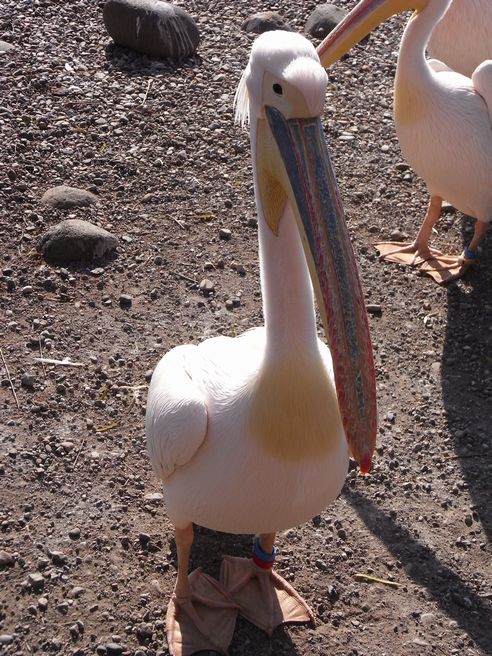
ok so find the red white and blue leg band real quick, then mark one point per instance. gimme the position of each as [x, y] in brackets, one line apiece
[262, 559]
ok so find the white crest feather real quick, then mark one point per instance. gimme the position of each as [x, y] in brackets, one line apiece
[241, 101]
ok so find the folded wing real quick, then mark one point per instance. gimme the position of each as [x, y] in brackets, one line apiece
[176, 418]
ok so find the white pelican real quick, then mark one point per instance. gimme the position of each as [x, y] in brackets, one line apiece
[462, 39]
[246, 433]
[444, 125]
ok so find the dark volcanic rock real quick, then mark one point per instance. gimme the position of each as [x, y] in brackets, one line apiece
[73, 240]
[323, 20]
[152, 27]
[66, 198]
[265, 21]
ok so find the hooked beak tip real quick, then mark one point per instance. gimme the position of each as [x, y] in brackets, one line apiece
[365, 464]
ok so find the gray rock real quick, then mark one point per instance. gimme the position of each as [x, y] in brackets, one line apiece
[152, 27]
[58, 557]
[6, 559]
[428, 619]
[374, 308]
[6, 639]
[154, 497]
[265, 21]
[42, 603]
[323, 20]
[6, 47]
[206, 286]
[144, 632]
[225, 233]
[65, 198]
[28, 381]
[74, 240]
[398, 235]
[36, 580]
[125, 301]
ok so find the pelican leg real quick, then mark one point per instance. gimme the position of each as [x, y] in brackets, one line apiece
[264, 598]
[200, 616]
[418, 251]
[447, 268]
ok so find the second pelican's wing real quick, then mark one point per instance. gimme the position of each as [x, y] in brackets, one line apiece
[482, 82]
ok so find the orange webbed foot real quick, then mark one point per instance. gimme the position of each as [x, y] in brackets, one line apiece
[264, 597]
[204, 620]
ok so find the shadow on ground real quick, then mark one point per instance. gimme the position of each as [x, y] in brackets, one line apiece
[133, 63]
[466, 378]
[472, 613]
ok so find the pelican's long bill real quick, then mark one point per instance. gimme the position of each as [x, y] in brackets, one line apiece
[313, 193]
[358, 23]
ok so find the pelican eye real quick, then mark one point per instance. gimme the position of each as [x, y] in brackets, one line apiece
[278, 89]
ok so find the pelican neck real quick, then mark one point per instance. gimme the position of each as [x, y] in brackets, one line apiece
[288, 301]
[412, 63]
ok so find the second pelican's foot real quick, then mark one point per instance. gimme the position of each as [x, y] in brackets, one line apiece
[408, 254]
[264, 598]
[204, 620]
[446, 268]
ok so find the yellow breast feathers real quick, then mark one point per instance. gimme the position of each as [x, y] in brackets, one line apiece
[294, 411]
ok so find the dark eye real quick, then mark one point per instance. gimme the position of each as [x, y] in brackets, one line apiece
[277, 89]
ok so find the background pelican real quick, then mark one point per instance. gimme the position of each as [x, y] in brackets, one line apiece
[462, 39]
[443, 122]
[247, 433]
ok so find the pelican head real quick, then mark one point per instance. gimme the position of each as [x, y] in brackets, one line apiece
[282, 94]
[364, 18]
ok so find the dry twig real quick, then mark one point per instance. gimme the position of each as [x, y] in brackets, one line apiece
[65, 362]
[10, 380]
[182, 275]
[374, 579]
[79, 452]
[147, 92]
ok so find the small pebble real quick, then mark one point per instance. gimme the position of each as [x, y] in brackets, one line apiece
[125, 300]
[74, 533]
[398, 235]
[374, 309]
[206, 286]
[27, 381]
[428, 618]
[225, 233]
[6, 559]
[36, 580]
[42, 603]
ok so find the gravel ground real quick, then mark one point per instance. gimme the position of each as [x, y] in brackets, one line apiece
[87, 558]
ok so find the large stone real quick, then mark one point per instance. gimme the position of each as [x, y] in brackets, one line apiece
[6, 47]
[265, 21]
[66, 198]
[323, 20]
[152, 27]
[74, 240]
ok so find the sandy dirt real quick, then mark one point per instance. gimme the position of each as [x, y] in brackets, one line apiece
[89, 557]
